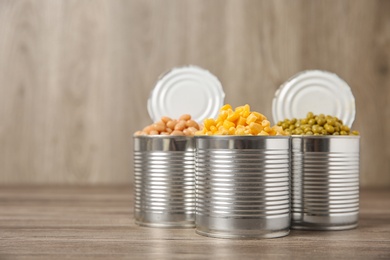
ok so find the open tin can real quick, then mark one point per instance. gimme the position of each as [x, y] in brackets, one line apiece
[325, 182]
[242, 186]
[325, 169]
[164, 172]
[164, 165]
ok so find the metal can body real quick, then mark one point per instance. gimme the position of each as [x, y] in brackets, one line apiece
[242, 186]
[164, 172]
[325, 182]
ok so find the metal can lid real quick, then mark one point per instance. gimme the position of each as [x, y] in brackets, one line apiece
[186, 90]
[320, 92]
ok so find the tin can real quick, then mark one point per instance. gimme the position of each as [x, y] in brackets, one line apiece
[164, 172]
[242, 186]
[325, 182]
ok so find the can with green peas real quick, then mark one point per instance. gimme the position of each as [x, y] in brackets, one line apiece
[324, 173]
[324, 150]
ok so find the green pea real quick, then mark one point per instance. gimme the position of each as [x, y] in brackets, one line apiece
[345, 128]
[315, 129]
[330, 121]
[315, 125]
[321, 121]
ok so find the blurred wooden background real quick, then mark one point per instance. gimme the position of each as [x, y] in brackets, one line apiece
[75, 75]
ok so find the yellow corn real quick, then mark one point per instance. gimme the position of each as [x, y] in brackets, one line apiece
[255, 128]
[208, 123]
[240, 121]
[228, 124]
[263, 133]
[226, 107]
[240, 131]
[223, 115]
[233, 116]
[251, 118]
[265, 123]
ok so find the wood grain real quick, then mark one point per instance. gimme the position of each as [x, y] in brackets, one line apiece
[75, 75]
[54, 222]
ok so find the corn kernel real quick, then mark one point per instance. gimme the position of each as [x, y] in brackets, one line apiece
[228, 124]
[233, 116]
[267, 129]
[208, 123]
[265, 123]
[260, 117]
[251, 118]
[213, 129]
[232, 130]
[241, 121]
[223, 115]
[245, 113]
[240, 131]
[226, 107]
[255, 128]
[263, 133]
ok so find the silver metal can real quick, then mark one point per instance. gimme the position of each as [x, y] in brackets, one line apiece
[242, 186]
[325, 182]
[164, 172]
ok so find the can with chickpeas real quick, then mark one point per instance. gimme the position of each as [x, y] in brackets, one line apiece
[164, 152]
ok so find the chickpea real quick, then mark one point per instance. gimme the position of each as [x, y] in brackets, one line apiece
[166, 119]
[185, 117]
[176, 132]
[181, 125]
[192, 123]
[171, 124]
[159, 126]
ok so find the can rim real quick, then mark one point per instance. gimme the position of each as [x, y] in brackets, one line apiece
[242, 136]
[162, 137]
[326, 136]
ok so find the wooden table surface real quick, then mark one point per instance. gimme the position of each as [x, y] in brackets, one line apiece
[52, 222]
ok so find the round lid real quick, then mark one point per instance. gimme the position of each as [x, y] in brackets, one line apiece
[320, 92]
[186, 90]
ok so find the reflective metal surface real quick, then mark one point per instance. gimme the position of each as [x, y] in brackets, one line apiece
[164, 172]
[242, 186]
[325, 182]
